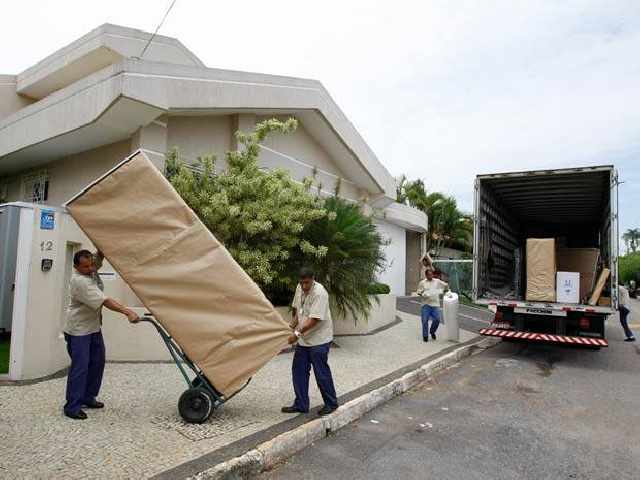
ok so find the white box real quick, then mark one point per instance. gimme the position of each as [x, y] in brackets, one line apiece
[568, 287]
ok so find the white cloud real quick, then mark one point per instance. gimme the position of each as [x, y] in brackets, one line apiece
[441, 90]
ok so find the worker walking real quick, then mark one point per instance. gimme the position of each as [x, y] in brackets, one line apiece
[313, 330]
[624, 302]
[82, 332]
[430, 289]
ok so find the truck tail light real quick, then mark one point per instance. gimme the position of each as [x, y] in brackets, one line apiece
[585, 324]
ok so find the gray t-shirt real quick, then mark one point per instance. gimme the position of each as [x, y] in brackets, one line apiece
[315, 304]
[85, 307]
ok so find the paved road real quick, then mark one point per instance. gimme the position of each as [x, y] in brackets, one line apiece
[515, 411]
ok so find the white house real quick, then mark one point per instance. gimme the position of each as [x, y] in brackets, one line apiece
[76, 113]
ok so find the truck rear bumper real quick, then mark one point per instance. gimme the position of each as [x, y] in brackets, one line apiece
[544, 337]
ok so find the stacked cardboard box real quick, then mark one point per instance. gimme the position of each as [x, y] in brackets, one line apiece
[541, 270]
[584, 261]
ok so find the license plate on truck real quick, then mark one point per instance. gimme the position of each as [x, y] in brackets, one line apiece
[540, 311]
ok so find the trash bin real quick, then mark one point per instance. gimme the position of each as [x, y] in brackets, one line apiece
[450, 316]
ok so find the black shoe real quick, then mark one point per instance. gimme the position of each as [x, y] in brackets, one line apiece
[94, 404]
[326, 410]
[425, 339]
[433, 335]
[79, 415]
[630, 339]
[291, 409]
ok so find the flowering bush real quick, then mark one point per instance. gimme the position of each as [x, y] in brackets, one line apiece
[273, 225]
[258, 215]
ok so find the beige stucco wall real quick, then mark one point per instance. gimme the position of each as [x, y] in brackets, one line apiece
[10, 101]
[302, 147]
[196, 136]
[302, 156]
[298, 152]
[69, 175]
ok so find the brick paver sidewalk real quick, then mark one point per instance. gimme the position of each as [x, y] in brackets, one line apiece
[140, 433]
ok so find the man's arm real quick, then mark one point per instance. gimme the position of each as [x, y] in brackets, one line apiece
[111, 304]
[88, 293]
[308, 325]
[294, 321]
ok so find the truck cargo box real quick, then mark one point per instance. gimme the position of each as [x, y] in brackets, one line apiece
[577, 205]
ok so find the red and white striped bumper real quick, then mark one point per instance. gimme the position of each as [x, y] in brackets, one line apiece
[545, 337]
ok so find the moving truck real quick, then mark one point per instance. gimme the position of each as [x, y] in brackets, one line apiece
[528, 226]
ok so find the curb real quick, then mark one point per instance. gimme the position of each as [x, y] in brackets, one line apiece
[273, 452]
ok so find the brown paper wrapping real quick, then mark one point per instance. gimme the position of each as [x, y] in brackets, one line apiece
[181, 272]
[541, 270]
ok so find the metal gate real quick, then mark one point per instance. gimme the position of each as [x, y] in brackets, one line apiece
[9, 225]
[457, 273]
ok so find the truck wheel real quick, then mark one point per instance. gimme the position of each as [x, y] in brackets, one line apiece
[195, 406]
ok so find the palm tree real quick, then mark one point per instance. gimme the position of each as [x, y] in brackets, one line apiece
[354, 255]
[448, 226]
[632, 239]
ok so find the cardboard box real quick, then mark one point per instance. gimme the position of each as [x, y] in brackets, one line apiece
[604, 301]
[583, 260]
[568, 287]
[541, 270]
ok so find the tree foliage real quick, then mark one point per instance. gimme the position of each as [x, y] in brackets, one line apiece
[631, 239]
[629, 267]
[353, 257]
[448, 226]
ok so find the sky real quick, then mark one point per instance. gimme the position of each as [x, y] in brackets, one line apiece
[441, 90]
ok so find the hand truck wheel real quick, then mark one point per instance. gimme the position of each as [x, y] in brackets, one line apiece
[195, 405]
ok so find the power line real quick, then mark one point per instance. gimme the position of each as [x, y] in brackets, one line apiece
[157, 28]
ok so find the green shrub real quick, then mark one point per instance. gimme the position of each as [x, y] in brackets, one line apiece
[258, 215]
[378, 289]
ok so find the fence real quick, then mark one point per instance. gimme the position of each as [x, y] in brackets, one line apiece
[457, 273]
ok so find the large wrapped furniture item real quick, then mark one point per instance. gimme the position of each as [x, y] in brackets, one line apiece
[181, 272]
[541, 270]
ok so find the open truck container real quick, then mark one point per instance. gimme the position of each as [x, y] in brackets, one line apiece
[578, 206]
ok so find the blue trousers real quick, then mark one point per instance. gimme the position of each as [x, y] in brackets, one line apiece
[316, 356]
[624, 313]
[433, 313]
[87, 366]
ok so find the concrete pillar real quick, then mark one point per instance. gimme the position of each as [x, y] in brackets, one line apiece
[152, 139]
[244, 122]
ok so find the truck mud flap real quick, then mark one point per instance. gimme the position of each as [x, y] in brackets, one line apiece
[544, 337]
